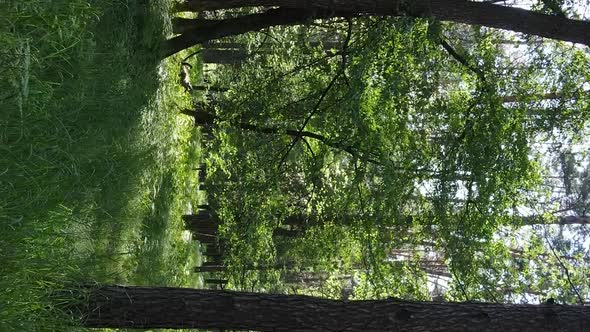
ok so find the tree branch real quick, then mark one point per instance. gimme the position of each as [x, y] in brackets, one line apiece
[460, 58]
[565, 269]
[208, 30]
[311, 114]
[461, 11]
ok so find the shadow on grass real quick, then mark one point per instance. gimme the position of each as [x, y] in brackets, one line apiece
[151, 256]
[84, 138]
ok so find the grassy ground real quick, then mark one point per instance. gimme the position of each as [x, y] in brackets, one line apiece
[95, 163]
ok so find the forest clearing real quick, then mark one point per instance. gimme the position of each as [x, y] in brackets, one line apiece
[281, 165]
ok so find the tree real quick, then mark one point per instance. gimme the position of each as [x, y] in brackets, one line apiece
[431, 133]
[160, 307]
[292, 12]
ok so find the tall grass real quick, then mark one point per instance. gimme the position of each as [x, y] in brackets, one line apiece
[94, 161]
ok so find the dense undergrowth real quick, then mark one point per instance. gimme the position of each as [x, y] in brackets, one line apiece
[96, 165]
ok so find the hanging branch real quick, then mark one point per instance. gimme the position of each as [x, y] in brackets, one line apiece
[273, 80]
[308, 147]
[345, 46]
[341, 71]
[206, 119]
[565, 269]
[460, 58]
[461, 286]
[311, 114]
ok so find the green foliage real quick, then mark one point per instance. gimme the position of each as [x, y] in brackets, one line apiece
[354, 159]
[413, 141]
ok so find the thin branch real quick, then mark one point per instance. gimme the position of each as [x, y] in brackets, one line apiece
[461, 286]
[274, 79]
[460, 58]
[308, 147]
[341, 71]
[311, 114]
[345, 50]
[207, 119]
[565, 269]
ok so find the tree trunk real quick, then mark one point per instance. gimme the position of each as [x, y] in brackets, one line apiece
[225, 45]
[213, 252]
[567, 220]
[161, 307]
[202, 222]
[210, 268]
[302, 220]
[235, 26]
[209, 88]
[202, 117]
[182, 25]
[209, 239]
[203, 178]
[287, 233]
[299, 11]
[219, 267]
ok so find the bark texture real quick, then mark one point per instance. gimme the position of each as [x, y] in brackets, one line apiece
[460, 11]
[201, 222]
[159, 307]
[235, 26]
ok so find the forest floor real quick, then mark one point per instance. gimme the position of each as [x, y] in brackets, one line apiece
[96, 166]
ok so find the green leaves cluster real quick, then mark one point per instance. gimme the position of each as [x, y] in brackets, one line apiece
[415, 141]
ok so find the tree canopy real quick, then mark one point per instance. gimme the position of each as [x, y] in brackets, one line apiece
[390, 151]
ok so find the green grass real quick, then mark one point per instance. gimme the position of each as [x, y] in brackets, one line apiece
[95, 163]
